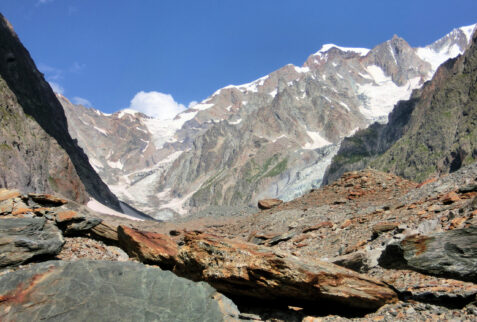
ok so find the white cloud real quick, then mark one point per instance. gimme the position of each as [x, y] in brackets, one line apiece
[156, 104]
[51, 73]
[57, 88]
[40, 2]
[77, 67]
[192, 104]
[81, 101]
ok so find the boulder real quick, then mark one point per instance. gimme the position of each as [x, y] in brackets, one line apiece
[104, 290]
[247, 270]
[46, 199]
[106, 231]
[8, 194]
[23, 239]
[451, 254]
[74, 223]
[269, 203]
[148, 247]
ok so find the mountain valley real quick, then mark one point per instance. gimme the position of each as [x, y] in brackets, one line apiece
[362, 164]
[271, 138]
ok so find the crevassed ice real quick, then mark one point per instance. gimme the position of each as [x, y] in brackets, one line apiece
[383, 93]
[317, 141]
[163, 130]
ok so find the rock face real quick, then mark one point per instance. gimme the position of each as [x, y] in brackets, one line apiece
[110, 291]
[451, 254]
[431, 134]
[37, 154]
[22, 239]
[271, 138]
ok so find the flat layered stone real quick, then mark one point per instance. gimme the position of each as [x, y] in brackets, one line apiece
[105, 290]
[47, 199]
[23, 239]
[248, 270]
[451, 254]
[8, 194]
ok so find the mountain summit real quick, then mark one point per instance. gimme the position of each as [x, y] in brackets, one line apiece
[273, 137]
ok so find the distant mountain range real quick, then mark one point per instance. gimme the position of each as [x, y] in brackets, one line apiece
[273, 137]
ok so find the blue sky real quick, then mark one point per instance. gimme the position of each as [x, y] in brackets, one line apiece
[105, 52]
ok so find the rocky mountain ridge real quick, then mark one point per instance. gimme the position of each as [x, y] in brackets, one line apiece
[37, 151]
[273, 137]
[431, 134]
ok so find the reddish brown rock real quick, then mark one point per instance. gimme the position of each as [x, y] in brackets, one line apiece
[148, 247]
[21, 211]
[249, 270]
[431, 180]
[384, 227]
[8, 194]
[66, 216]
[46, 199]
[450, 198]
[346, 224]
[269, 203]
[325, 224]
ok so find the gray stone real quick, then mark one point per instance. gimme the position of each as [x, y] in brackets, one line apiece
[108, 291]
[451, 254]
[22, 239]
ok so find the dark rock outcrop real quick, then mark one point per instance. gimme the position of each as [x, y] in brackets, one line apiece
[22, 239]
[451, 254]
[37, 154]
[111, 291]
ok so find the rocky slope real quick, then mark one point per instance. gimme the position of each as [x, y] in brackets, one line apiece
[431, 134]
[37, 152]
[371, 246]
[272, 137]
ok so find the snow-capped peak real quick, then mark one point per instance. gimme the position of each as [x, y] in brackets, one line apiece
[127, 111]
[447, 47]
[468, 31]
[327, 47]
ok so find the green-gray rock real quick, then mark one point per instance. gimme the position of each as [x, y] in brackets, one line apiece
[22, 239]
[107, 291]
[451, 254]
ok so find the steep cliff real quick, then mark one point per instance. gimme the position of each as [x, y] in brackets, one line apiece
[433, 133]
[37, 152]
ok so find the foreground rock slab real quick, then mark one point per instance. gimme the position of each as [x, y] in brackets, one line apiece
[450, 254]
[102, 290]
[22, 239]
[249, 270]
